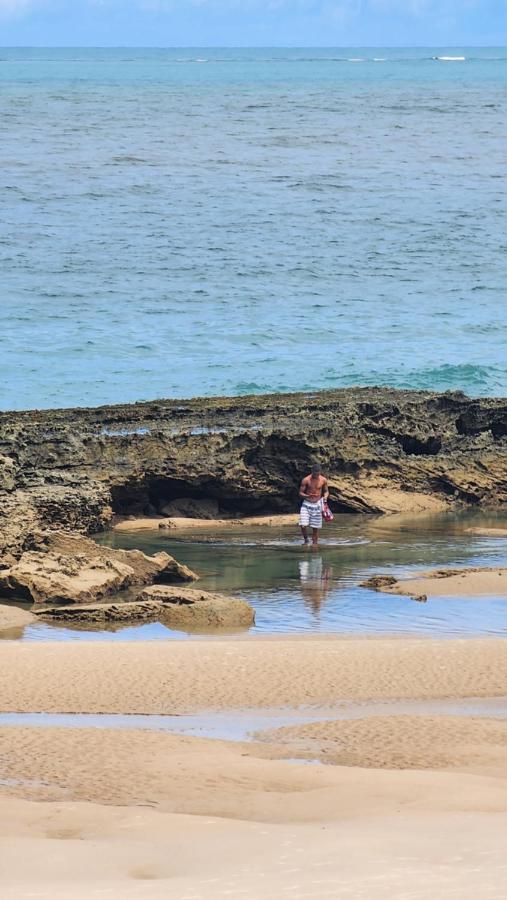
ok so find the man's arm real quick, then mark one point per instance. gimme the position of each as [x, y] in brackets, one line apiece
[302, 489]
[325, 489]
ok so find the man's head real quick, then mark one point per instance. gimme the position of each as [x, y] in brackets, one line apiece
[316, 470]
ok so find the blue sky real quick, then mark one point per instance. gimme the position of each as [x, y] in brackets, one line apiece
[174, 23]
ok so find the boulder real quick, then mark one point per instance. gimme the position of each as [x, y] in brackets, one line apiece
[67, 568]
[175, 607]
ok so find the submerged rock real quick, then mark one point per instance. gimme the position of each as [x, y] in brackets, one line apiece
[175, 607]
[66, 568]
[379, 582]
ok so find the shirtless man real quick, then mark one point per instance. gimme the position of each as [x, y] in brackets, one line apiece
[314, 489]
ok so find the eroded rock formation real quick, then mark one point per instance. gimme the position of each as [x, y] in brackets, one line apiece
[175, 607]
[66, 568]
[384, 450]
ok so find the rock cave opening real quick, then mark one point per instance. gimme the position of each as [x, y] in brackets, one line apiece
[201, 499]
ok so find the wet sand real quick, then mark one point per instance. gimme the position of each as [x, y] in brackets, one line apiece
[475, 582]
[150, 523]
[227, 673]
[489, 532]
[412, 807]
[14, 617]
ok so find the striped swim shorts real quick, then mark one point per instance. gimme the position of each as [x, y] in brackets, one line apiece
[311, 514]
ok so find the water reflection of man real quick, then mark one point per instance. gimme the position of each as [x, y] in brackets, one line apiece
[315, 578]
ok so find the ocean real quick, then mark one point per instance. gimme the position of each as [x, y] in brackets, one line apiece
[188, 222]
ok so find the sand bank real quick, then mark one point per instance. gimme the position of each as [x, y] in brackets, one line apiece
[400, 742]
[149, 523]
[477, 582]
[14, 617]
[178, 677]
[489, 532]
[252, 781]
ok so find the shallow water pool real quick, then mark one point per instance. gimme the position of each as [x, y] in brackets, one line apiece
[296, 590]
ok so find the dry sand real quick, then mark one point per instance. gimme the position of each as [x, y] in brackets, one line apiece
[77, 851]
[416, 807]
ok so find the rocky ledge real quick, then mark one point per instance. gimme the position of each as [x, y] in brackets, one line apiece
[184, 608]
[66, 568]
[384, 451]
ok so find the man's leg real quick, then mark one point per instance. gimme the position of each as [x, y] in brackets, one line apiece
[315, 536]
[304, 532]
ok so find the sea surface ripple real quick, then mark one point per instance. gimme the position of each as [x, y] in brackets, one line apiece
[182, 222]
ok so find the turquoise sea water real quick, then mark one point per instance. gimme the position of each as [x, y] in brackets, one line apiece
[182, 222]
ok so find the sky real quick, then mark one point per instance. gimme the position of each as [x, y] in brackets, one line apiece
[250, 23]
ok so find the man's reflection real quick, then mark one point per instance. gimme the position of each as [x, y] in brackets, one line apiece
[315, 578]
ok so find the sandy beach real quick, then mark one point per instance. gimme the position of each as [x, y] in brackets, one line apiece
[141, 813]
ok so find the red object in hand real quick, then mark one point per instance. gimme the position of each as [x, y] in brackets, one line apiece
[327, 515]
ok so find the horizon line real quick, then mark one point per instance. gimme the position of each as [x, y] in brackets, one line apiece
[250, 46]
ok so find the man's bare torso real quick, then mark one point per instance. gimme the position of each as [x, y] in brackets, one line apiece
[313, 487]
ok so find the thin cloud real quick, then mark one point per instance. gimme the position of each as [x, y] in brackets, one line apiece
[13, 8]
[422, 7]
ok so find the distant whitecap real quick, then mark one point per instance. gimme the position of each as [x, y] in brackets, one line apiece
[450, 58]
